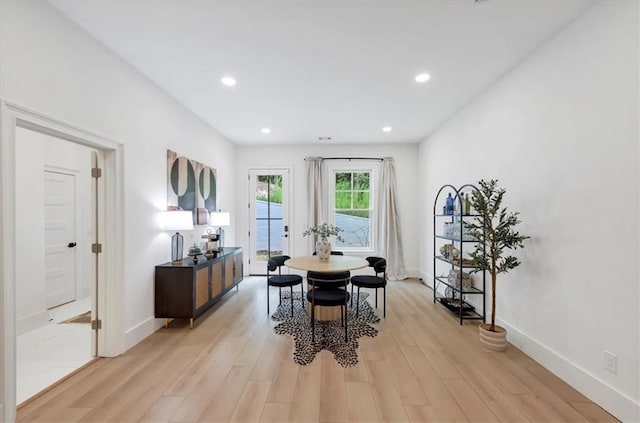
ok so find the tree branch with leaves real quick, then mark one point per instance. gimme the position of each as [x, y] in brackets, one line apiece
[495, 231]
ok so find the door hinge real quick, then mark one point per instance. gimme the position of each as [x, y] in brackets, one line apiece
[249, 234]
[249, 205]
[96, 172]
[96, 248]
[96, 324]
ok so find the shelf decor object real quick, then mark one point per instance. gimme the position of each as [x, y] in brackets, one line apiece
[451, 241]
[177, 220]
[496, 234]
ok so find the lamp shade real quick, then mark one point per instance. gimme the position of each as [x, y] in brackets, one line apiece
[219, 219]
[178, 220]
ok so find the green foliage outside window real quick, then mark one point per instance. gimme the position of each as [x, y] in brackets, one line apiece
[352, 193]
[272, 183]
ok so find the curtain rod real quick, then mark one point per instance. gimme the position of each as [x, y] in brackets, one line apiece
[350, 158]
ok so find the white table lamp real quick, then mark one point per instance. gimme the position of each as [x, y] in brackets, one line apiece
[220, 219]
[178, 220]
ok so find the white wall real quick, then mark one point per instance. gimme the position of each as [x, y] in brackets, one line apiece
[405, 157]
[53, 67]
[560, 132]
[34, 152]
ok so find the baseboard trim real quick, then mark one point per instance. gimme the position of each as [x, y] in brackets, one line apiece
[139, 332]
[615, 402]
[31, 322]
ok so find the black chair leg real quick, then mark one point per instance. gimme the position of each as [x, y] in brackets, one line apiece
[358, 304]
[376, 297]
[268, 298]
[346, 324]
[313, 324]
[384, 296]
[352, 295]
[291, 288]
[280, 294]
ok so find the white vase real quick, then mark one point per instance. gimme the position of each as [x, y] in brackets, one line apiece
[323, 249]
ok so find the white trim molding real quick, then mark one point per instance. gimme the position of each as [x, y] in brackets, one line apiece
[615, 402]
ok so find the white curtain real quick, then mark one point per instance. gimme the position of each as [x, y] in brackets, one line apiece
[390, 235]
[316, 192]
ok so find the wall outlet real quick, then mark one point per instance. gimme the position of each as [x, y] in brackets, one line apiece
[610, 362]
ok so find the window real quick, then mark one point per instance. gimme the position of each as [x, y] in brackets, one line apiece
[353, 208]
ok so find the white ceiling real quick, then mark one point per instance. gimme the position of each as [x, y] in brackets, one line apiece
[340, 69]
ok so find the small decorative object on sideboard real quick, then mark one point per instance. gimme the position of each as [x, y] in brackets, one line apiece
[194, 252]
[212, 245]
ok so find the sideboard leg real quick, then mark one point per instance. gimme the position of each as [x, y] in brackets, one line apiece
[191, 323]
[166, 323]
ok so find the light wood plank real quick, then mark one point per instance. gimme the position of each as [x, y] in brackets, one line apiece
[306, 403]
[423, 367]
[162, 410]
[362, 406]
[472, 405]
[223, 403]
[333, 394]
[275, 413]
[593, 412]
[251, 403]
[283, 388]
[388, 402]
[421, 414]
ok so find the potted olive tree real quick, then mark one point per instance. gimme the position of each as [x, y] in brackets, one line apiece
[495, 230]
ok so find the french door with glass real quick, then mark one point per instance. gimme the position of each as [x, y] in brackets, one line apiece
[269, 217]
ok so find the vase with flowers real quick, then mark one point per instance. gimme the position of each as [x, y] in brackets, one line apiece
[323, 232]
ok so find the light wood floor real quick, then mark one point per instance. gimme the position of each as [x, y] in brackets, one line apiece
[421, 367]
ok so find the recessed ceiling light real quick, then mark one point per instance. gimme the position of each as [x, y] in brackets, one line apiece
[228, 81]
[324, 138]
[266, 130]
[422, 77]
[386, 129]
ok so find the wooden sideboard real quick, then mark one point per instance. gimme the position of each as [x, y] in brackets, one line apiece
[187, 290]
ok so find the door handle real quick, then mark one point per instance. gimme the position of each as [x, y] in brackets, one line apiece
[71, 244]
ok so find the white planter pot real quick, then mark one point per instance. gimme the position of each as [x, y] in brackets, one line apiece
[323, 249]
[494, 341]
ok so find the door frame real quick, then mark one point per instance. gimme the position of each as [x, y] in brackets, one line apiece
[111, 285]
[251, 196]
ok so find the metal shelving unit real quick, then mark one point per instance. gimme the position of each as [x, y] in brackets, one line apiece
[464, 310]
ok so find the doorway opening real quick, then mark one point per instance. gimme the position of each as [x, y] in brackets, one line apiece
[106, 262]
[55, 292]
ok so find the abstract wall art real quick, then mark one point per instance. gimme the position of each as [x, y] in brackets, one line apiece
[190, 186]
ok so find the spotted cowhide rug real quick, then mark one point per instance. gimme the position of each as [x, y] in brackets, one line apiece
[329, 334]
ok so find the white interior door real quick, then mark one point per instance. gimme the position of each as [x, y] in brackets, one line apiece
[268, 217]
[60, 238]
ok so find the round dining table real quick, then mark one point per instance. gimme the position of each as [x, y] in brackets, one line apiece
[334, 264]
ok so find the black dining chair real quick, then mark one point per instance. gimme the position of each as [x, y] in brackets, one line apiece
[282, 281]
[376, 281]
[328, 289]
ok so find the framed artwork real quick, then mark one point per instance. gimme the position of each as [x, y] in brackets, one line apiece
[190, 186]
